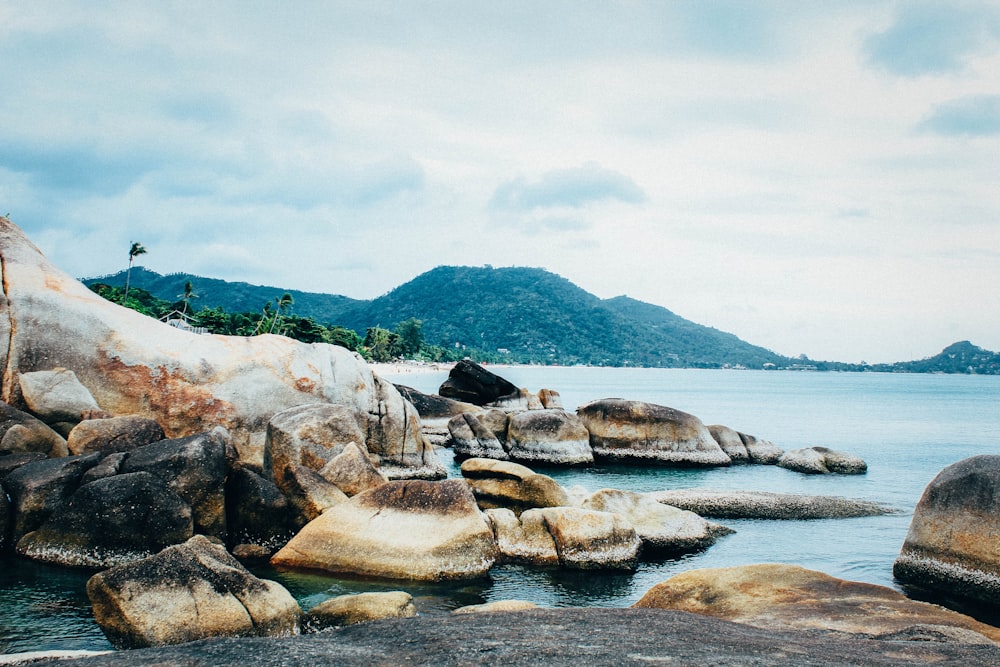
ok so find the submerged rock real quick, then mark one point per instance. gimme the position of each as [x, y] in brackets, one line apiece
[720, 504]
[634, 431]
[785, 597]
[409, 529]
[360, 608]
[498, 605]
[187, 592]
[953, 545]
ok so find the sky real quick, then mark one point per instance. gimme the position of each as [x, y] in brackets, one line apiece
[816, 177]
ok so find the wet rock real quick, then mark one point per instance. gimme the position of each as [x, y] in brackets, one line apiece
[114, 434]
[731, 443]
[111, 521]
[622, 430]
[822, 461]
[951, 548]
[187, 592]
[725, 504]
[195, 469]
[39, 488]
[511, 485]
[257, 513]
[352, 471]
[785, 597]
[498, 605]
[409, 529]
[471, 383]
[661, 528]
[481, 435]
[553, 437]
[22, 433]
[57, 396]
[360, 608]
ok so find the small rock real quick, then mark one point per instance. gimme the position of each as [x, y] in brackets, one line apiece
[352, 471]
[359, 608]
[115, 434]
[822, 461]
[506, 484]
[498, 605]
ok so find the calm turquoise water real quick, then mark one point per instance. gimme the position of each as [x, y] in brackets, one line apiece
[907, 427]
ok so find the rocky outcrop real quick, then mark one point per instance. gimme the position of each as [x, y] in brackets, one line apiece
[360, 608]
[352, 471]
[409, 529]
[111, 521]
[785, 597]
[187, 592]
[480, 435]
[471, 383]
[57, 397]
[21, 433]
[511, 485]
[730, 442]
[951, 548]
[634, 431]
[498, 605]
[761, 452]
[822, 461]
[720, 504]
[39, 488]
[188, 383]
[553, 437]
[258, 516]
[662, 528]
[115, 434]
[618, 637]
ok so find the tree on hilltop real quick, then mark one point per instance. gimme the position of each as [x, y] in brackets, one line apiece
[133, 252]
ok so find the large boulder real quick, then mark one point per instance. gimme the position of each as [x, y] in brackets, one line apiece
[187, 592]
[587, 539]
[511, 485]
[822, 461]
[471, 383]
[622, 430]
[21, 433]
[410, 529]
[548, 436]
[662, 528]
[188, 383]
[953, 546]
[523, 539]
[308, 435]
[57, 396]
[195, 468]
[480, 435]
[786, 597]
[111, 521]
[731, 443]
[359, 608]
[352, 471]
[258, 515]
[38, 488]
[115, 434]
[433, 406]
[309, 494]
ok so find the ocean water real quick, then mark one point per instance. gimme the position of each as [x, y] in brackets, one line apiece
[907, 427]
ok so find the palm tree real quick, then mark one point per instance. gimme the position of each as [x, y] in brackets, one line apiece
[186, 296]
[133, 252]
[284, 303]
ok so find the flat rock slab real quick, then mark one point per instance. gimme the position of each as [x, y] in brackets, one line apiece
[720, 504]
[557, 638]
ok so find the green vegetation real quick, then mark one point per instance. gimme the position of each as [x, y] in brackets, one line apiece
[516, 315]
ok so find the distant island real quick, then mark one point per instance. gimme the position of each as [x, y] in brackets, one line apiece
[496, 315]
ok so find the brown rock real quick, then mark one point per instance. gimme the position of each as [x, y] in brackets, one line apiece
[21, 433]
[525, 539]
[360, 608]
[352, 471]
[731, 443]
[511, 485]
[115, 434]
[586, 539]
[479, 435]
[498, 605]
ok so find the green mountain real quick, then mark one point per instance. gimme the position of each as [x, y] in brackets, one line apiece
[960, 357]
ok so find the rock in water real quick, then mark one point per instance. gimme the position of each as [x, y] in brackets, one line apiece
[953, 545]
[822, 461]
[410, 529]
[187, 592]
[39, 488]
[553, 437]
[471, 383]
[359, 608]
[784, 597]
[632, 431]
[188, 383]
[511, 485]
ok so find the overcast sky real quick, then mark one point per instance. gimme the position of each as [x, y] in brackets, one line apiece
[815, 177]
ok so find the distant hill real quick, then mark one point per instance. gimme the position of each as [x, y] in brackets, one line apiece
[528, 315]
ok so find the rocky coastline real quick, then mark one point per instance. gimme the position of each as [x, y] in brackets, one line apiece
[167, 460]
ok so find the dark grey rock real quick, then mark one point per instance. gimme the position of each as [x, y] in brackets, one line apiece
[471, 383]
[256, 511]
[433, 406]
[38, 488]
[20, 432]
[115, 434]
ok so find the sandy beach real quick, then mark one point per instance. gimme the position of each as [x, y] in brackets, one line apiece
[409, 367]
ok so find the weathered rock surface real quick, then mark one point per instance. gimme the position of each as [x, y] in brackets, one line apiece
[822, 461]
[409, 529]
[57, 396]
[761, 452]
[433, 406]
[613, 637]
[115, 434]
[953, 545]
[308, 435]
[548, 436]
[499, 605]
[310, 494]
[661, 528]
[108, 466]
[480, 435]
[112, 521]
[359, 608]
[731, 443]
[257, 513]
[550, 399]
[511, 485]
[622, 430]
[11, 462]
[523, 539]
[188, 383]
[722, 504]
[194, 467]
[785, 597]
[40, 487]
[22, 433]
[519, 401]
[352, 471]
[187, 592]
[587, 539]
[471, 383]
